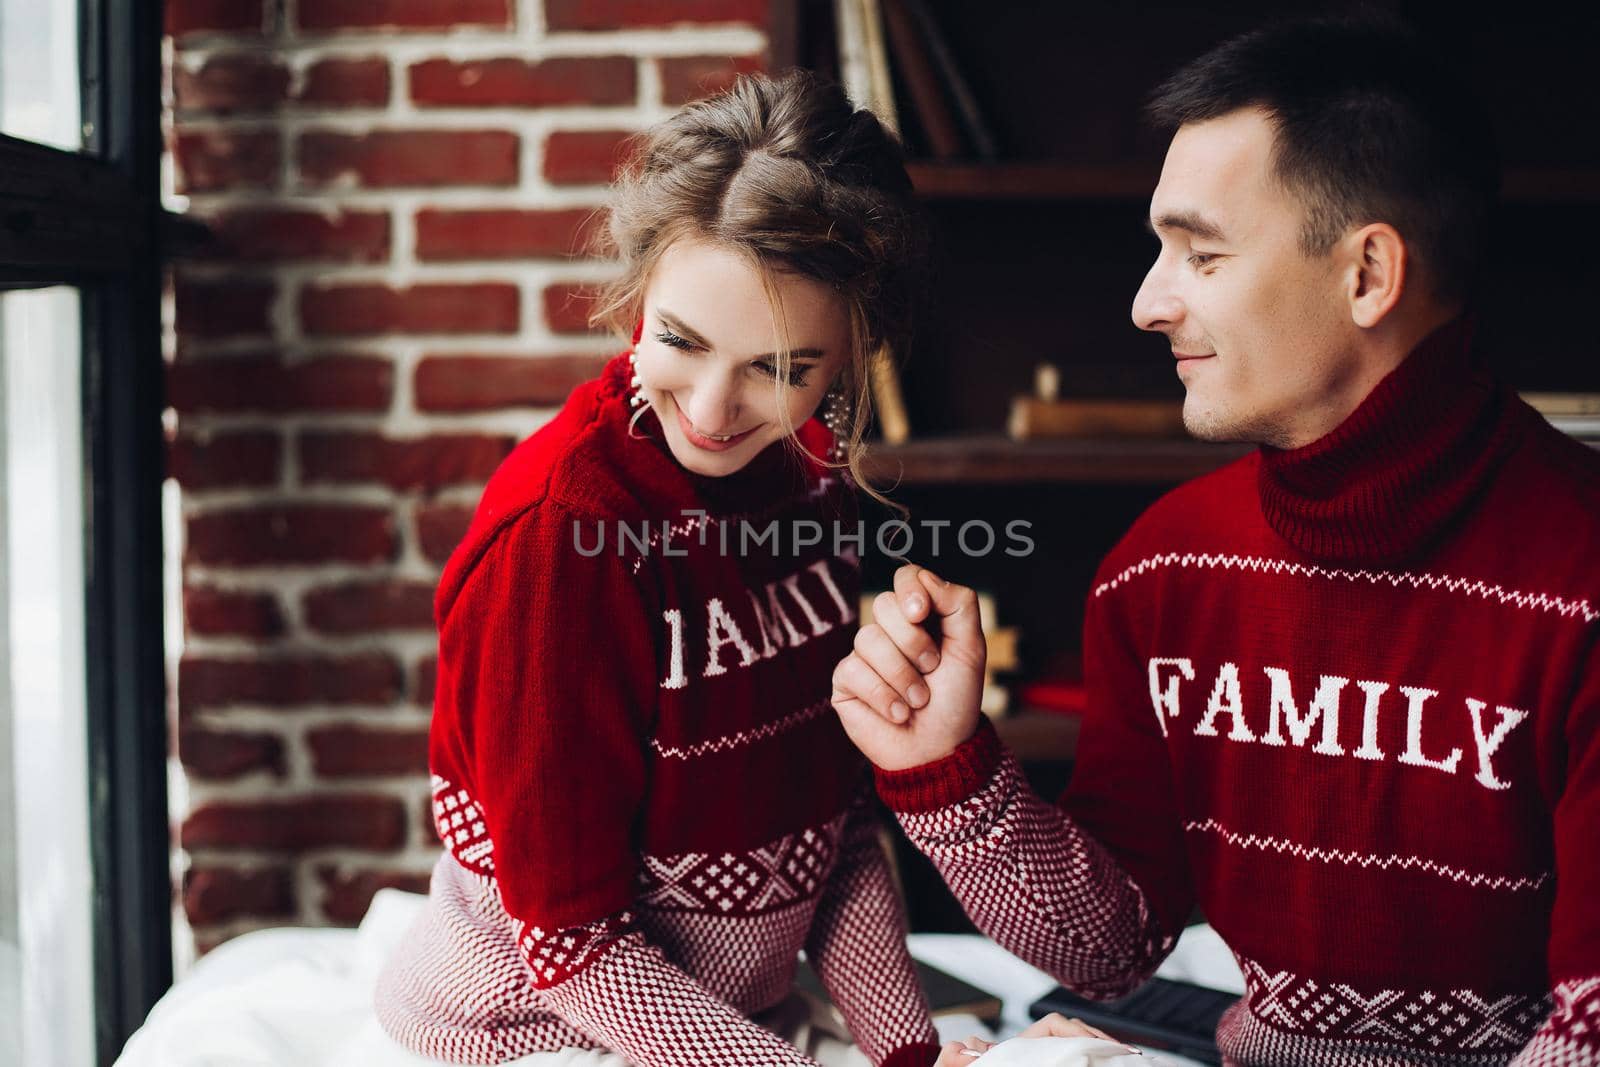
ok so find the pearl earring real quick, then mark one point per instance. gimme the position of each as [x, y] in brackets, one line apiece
[636, 399]
[836, 417]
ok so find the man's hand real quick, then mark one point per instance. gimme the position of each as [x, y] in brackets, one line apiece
[909, 693]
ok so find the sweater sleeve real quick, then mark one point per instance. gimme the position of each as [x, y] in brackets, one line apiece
[857, 944]
[545, 699]
[1570, 1036]
[1094, 890]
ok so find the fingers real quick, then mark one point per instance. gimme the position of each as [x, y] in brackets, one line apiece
[912, 640]
[909, 593]
[889, 663]
[956, 605]
[1057, 1025]
[854, 678]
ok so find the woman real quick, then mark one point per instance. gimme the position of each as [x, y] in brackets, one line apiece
[648, 807]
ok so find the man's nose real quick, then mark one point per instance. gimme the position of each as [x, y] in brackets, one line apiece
[1156, 306]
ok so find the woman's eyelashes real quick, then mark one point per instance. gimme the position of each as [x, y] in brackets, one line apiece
[667, 337]
[797, 371]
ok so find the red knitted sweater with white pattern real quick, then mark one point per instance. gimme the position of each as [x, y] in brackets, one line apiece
[1346, 697]
[648, 806]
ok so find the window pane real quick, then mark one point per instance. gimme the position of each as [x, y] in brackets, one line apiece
[46, 978]
[39, 72]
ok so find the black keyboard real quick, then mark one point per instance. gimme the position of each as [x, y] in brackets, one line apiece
[1177, 1016]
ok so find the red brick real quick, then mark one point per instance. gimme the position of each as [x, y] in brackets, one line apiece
[386, 159]
[505, 233]
[349, 894]
[223, 309]
[488, 383]
[209, 460]
[249, 82]
[214, 894]
[359, 607]
[288, 680]
[217, 16]
[357, 751]
[687, 78]
[509, 82]
[567, 306]
[338, 308]
[223, 612]
[350, 82]
[328, 821]
[213, 160]
[228, 753]
[239, 81]
[277, 234]
[309, 533]
[412, 463]
[622, 14]
[264, 383]
[403, 14]
[584, 157]
[427, 679]
[440, 528]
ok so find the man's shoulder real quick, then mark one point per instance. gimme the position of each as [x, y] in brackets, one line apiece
[1202, 514]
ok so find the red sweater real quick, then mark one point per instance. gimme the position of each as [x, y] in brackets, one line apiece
[648, 806]
[1346, 698]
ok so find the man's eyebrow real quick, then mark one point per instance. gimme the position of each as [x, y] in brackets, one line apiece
[1189, 222]
[688, 333]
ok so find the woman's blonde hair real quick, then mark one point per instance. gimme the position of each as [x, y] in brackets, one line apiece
[786, 170]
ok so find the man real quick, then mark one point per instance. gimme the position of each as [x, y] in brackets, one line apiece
[1345, 693]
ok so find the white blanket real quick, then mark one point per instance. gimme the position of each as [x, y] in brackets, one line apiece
[303, 998]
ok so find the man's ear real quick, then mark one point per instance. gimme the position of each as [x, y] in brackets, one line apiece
[1378, 262]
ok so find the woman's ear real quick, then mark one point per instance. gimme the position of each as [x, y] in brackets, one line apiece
[1379, 261]
[638, 330]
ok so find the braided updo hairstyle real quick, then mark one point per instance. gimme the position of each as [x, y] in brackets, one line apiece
[785, 170]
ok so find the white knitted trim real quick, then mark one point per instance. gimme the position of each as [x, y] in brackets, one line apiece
[727, 742]
[1363, 859]
[1471, 587]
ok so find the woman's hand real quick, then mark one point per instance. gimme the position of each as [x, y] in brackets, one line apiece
[962, 1053]
[1057, 1025]
[909, 693]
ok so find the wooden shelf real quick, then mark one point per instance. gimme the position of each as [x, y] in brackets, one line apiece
[995, 460]
[1136, 181]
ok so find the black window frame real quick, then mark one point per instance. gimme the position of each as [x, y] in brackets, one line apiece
[93, 219]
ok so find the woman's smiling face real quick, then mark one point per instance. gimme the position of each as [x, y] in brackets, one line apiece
[707, 359]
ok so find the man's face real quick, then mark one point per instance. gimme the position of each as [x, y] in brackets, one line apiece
[1261, 332]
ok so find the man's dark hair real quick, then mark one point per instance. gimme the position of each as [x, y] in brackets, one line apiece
[1372, 125]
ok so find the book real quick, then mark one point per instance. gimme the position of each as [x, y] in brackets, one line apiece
[977, 127]
[947, 994]
[893, 422]
[916, 69]
[882, 85]
[854, 74]
[1562, 404]
[1033, 417]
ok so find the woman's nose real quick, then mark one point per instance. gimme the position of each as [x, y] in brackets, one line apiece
[714, 406]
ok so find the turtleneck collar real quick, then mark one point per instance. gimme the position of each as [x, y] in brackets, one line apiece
[1391, 479]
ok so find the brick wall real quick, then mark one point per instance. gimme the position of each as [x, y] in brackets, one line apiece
[396, 188]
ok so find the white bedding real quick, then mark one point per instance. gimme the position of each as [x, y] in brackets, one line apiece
[303, 998]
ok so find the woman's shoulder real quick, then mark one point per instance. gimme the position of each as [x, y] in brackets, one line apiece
[561, 473]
